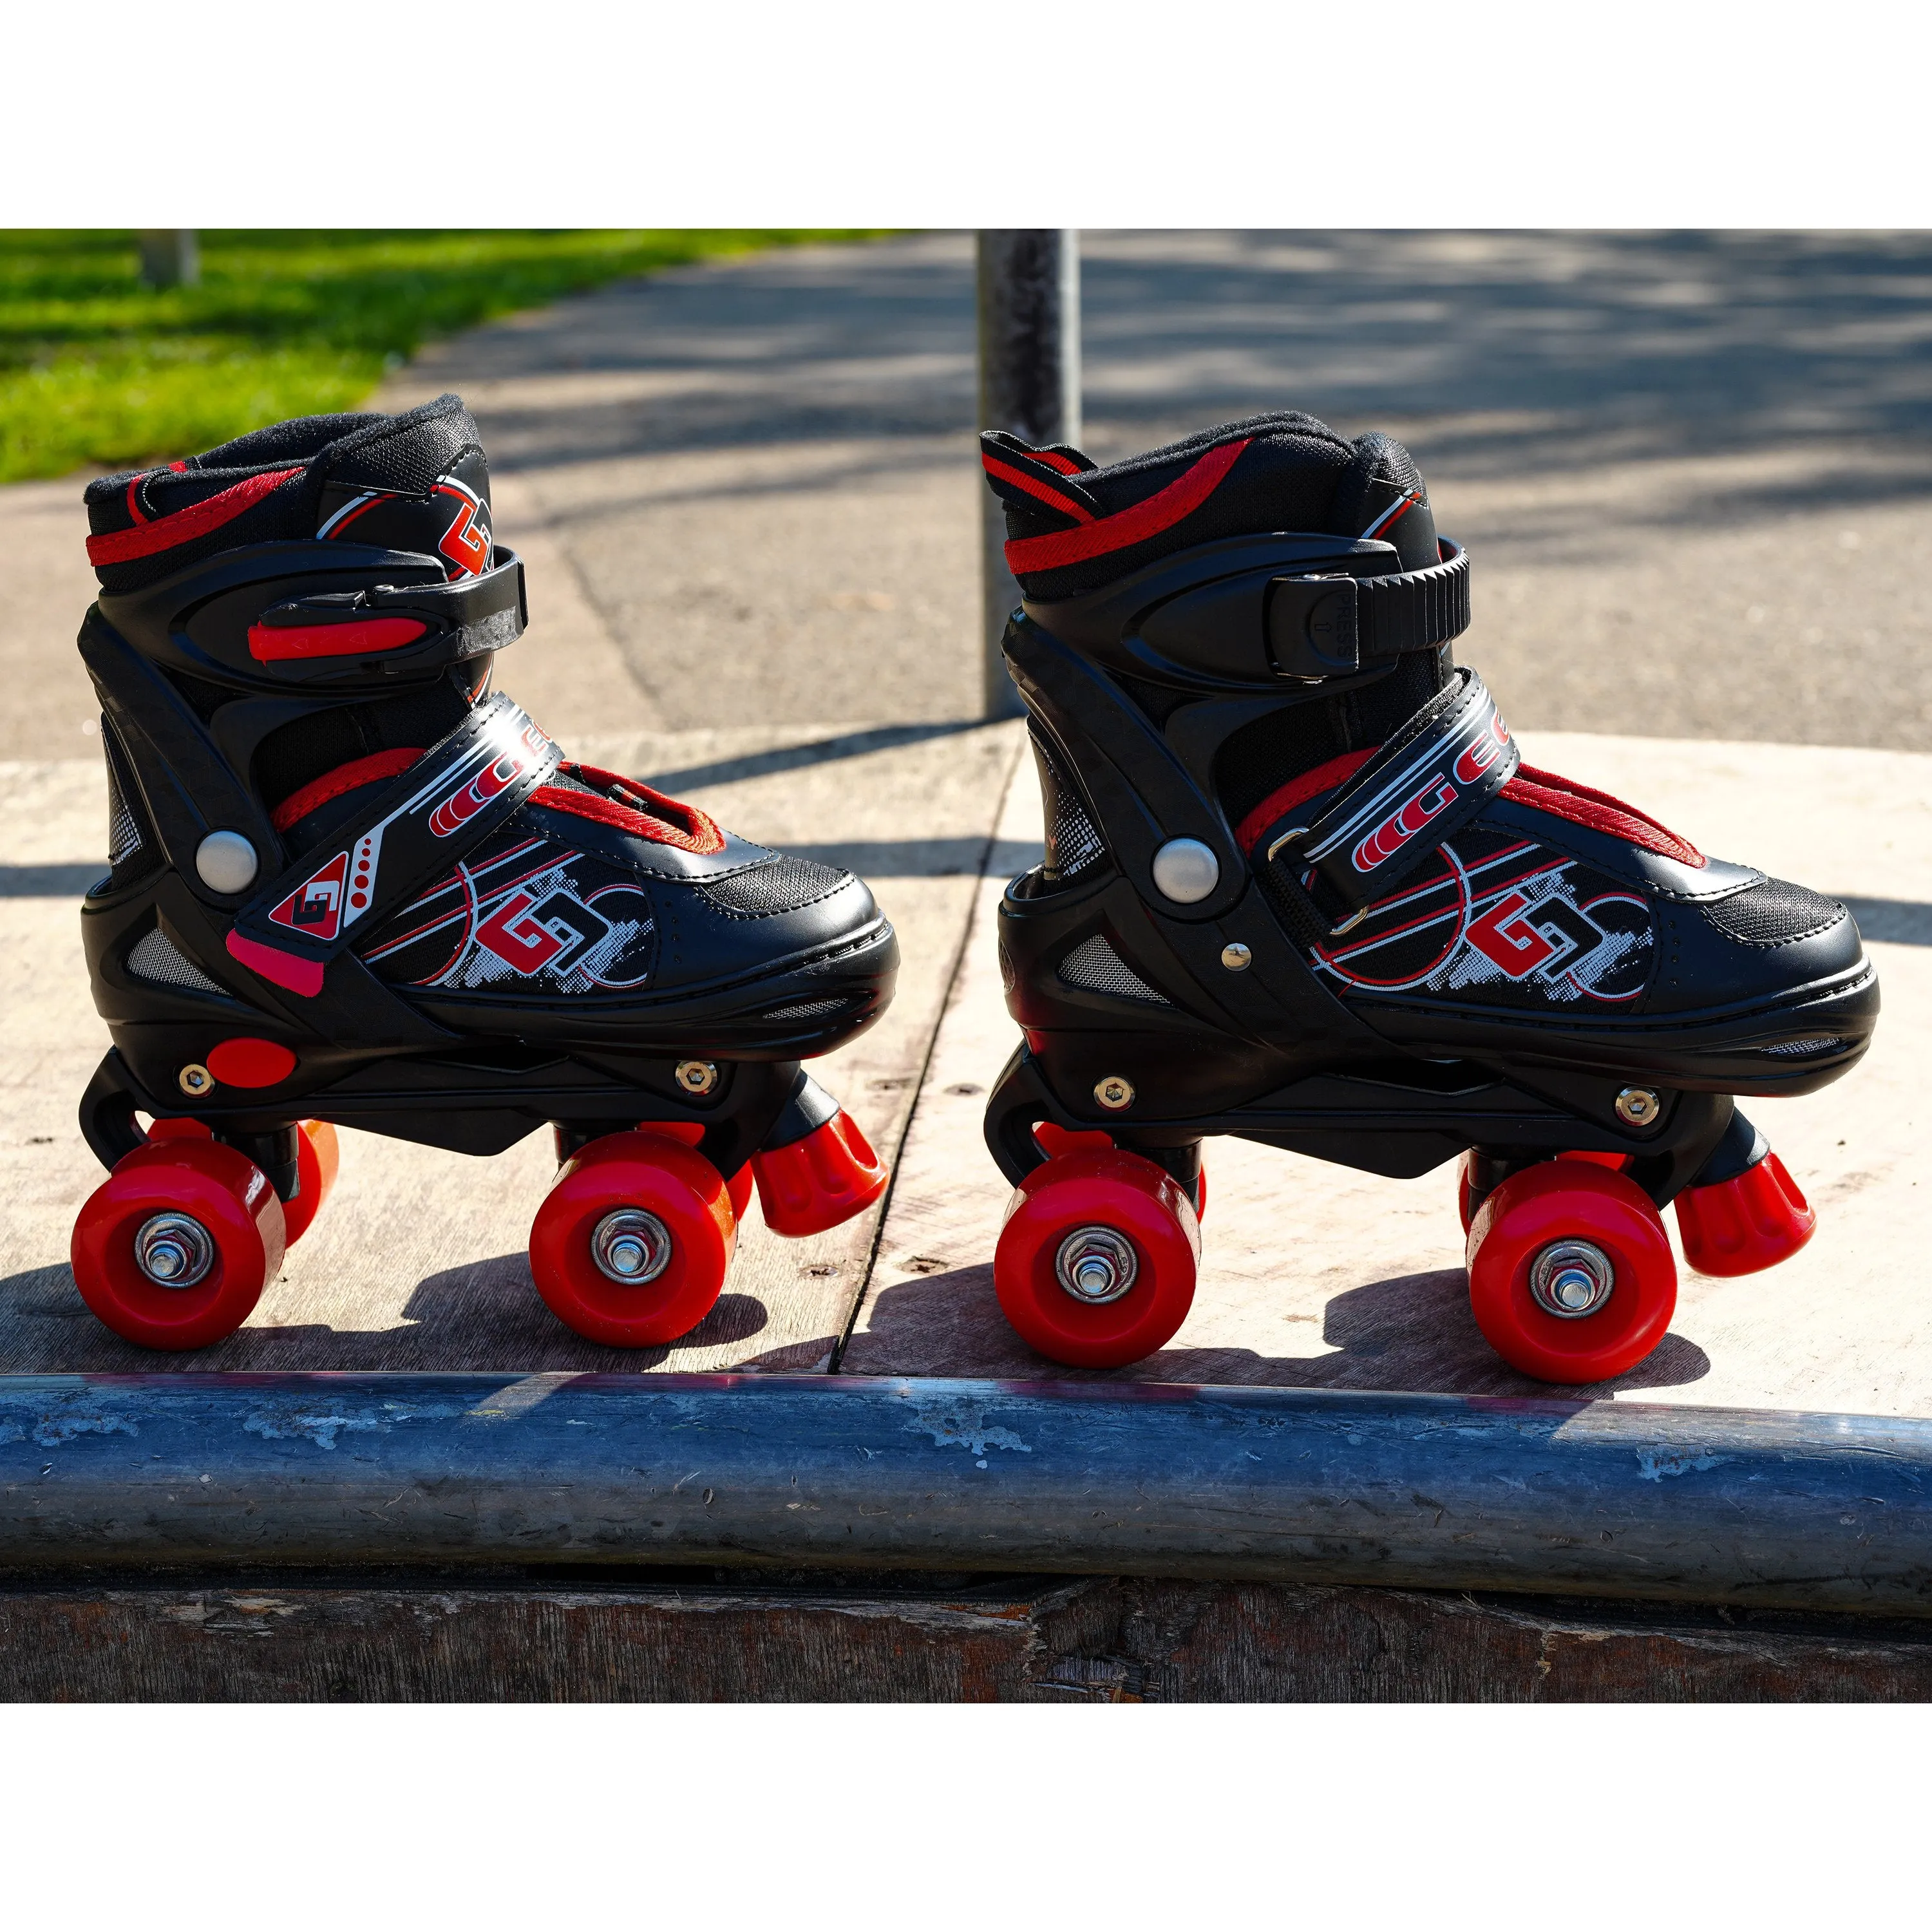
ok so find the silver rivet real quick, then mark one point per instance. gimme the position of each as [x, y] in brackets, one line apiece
[1639, 1105]
[226, 862]
[195, 1078]
[1186, 871]
[631, 1247]
[1114, 1093]
[1571, 1279]
[1236, 957]
[696, 1076]
[1096, 1264]
[173, 1250]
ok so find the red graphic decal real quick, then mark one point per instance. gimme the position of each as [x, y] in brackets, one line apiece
[461, 806]
[467, 542]
[1504, 938]
[519, 940]
[314, 908]
[1401, 825]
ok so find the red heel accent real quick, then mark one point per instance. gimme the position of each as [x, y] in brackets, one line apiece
[1153, 1231]
[1754, 1220]
[816, 1183]
[236, 1240]
[1537, 1239]
[683, 1240]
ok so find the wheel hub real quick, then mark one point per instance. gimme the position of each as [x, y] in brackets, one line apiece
[1571, 1279]
[1096, 1264]
[630, 1246]
[173, 1250]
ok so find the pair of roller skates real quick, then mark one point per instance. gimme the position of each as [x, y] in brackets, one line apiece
[1297, 887]
[352, 885]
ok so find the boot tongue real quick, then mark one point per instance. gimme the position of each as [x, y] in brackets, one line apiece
[415, 482]
[1382, 495]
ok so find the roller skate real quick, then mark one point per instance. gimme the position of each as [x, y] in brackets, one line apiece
[351, 885]
[1299, 887]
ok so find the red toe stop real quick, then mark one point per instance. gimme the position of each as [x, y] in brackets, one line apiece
[815, 1182]
[1753, 1220]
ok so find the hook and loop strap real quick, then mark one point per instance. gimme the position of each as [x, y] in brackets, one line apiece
[445, 805]
[1429, 781]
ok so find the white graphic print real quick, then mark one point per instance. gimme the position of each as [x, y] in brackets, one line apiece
[1513, 922]
[522, 916]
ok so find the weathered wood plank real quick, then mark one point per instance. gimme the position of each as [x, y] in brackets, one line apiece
[1102, 1640]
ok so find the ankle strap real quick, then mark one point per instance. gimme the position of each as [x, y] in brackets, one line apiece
[1327, 625]
[444, 806]
[1326, 871]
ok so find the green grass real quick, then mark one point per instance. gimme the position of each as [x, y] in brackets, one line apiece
[97, 370]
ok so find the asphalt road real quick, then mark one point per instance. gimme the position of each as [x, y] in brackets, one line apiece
[1693, 470]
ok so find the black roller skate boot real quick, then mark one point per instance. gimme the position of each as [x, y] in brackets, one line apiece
[351, 885]
[1299, 888]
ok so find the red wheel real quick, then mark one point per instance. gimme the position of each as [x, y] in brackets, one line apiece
[1570, 1274]
[173, 1249]
[741, 1187]
[1095, 1266]
[631, 1245]
[318, 1154]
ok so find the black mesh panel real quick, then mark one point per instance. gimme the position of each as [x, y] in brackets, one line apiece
[784, 886]
[133, 852]
[1074, 845]
[1773, 914]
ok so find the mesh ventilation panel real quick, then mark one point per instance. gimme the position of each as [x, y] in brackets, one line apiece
[784, 886]
[1096, 966]
[157, 957]
[808, 1010]
[132, 848]
[1773, 913]
[1073, 841]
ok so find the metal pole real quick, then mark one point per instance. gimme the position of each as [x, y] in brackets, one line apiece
[169, 258]
[227, 1475]
[1029, 290]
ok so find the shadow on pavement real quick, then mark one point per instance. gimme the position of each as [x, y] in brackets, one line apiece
[1412, 1334]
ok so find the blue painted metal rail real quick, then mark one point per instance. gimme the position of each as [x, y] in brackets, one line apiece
[454, 1474]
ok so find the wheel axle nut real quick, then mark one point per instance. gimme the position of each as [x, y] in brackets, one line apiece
[1096, 1264]
[195, 1078]
[1571, 1279]
[630, 1246]
[1114, 1093]
[696, 1076]
[173, 1250]
[1639, 1105]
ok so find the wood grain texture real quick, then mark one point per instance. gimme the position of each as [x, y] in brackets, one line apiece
[1099, 1640]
